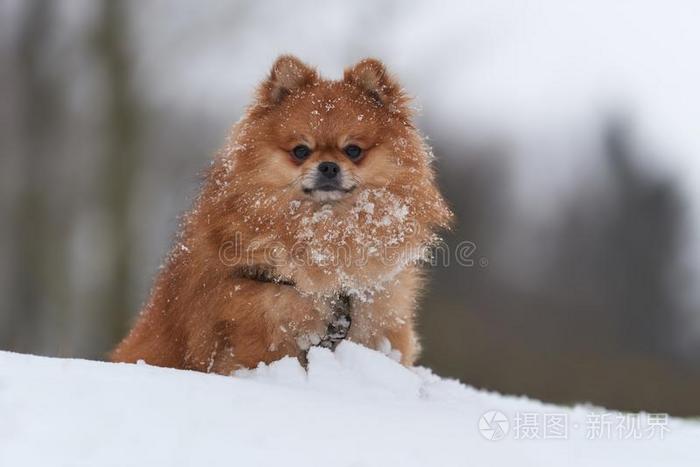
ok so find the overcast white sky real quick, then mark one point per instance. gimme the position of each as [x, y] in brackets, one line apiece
[523, 69]
[525, 66]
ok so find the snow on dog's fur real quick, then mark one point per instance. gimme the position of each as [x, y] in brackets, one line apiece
[325, 189]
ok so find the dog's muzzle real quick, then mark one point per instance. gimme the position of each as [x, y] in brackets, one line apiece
[328, 177]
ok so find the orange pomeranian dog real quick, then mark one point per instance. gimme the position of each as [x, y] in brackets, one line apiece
[309, 229]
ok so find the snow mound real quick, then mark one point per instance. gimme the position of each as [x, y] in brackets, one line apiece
[354, 407]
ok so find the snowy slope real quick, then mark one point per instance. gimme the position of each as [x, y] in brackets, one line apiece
[354, 408]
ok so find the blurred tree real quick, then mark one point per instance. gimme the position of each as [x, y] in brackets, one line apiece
[615, 256]
[122, 120]
[40, 243]
[644, 248]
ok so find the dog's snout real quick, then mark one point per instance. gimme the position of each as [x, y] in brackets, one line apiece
[329, 169]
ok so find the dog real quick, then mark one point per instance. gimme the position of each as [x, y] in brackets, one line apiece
[310, 228]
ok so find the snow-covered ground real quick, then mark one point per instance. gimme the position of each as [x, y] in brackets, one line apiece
[355, 407]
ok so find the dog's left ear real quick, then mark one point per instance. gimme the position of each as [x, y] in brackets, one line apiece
[288, 73]
[372, 77]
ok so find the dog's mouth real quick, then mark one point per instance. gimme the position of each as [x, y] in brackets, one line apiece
[328, 187]
[328, 192]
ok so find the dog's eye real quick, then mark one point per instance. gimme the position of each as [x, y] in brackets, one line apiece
[301, 152]
[353, 151]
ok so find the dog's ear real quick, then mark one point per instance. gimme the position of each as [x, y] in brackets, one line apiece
[372, 77]
[287, 74]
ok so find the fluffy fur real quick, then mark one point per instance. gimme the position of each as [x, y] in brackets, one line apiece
[255, 216]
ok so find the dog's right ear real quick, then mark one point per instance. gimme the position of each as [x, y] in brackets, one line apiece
[372, 77]
[288, 73]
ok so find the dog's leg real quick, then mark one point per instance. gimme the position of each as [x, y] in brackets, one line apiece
[388, 314]
[260, 322]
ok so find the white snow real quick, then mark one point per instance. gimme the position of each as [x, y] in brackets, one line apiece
[354, 407]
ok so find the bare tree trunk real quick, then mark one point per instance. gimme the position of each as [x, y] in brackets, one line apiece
[121, 161]
[33, 232]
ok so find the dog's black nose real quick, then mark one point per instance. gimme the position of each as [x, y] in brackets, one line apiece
[329, 169]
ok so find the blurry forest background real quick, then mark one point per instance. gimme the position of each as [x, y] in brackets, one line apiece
[565, 137]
